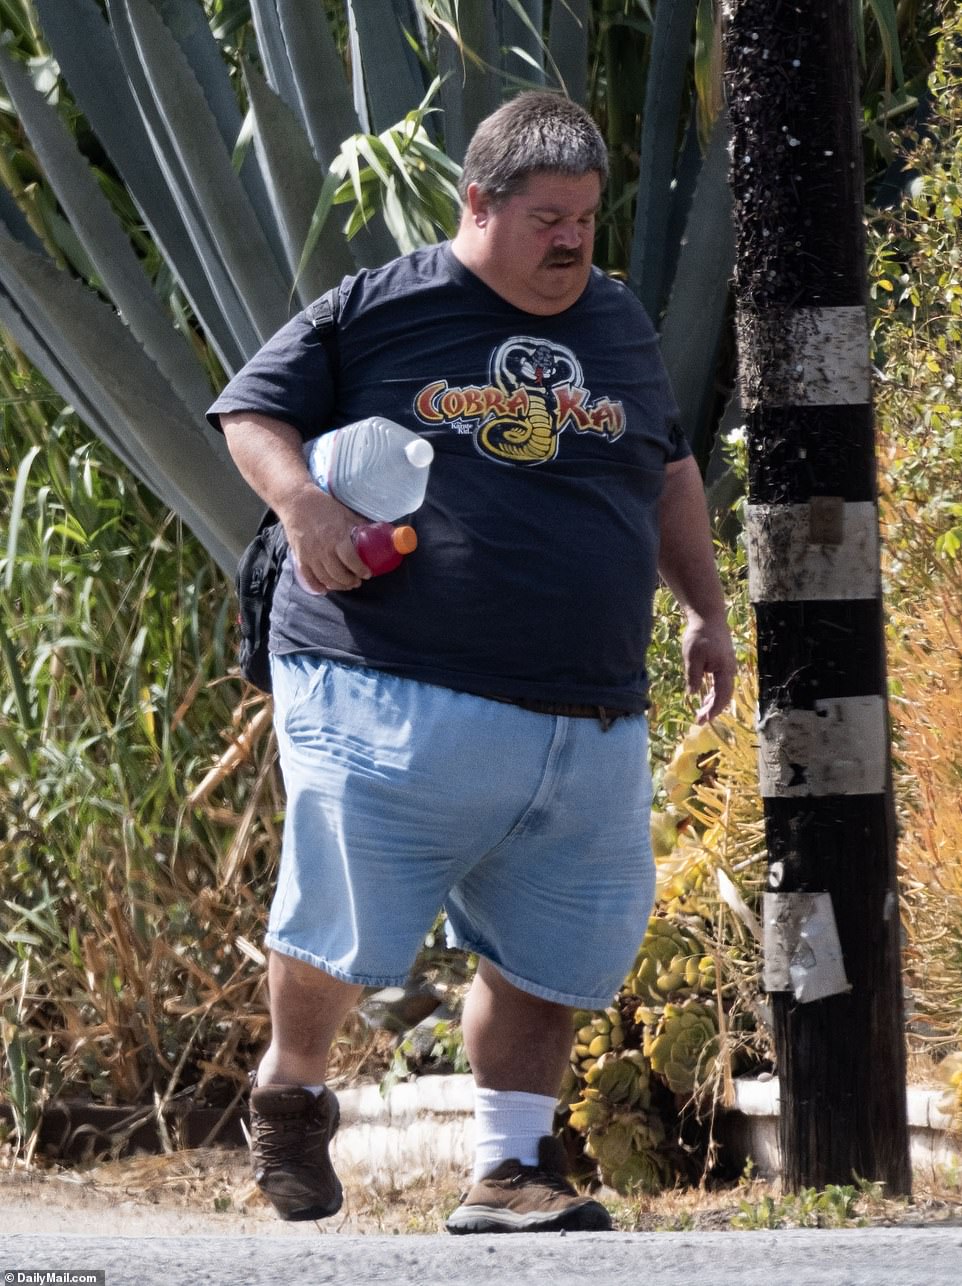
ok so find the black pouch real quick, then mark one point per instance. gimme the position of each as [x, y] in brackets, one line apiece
[256, 579]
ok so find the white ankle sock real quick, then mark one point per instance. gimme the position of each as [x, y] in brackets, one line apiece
[509, 1123]
[315, 1089]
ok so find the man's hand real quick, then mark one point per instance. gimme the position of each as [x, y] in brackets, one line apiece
[270, 456]
[709, 658]
[318, 530]
[687, 565]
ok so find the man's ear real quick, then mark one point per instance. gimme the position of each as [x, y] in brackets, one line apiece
[479, 204]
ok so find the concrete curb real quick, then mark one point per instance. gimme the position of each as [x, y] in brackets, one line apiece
[424, 1128]
[751, 1127]
[421, 1130]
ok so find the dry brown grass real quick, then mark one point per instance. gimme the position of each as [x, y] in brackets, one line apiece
[211, 1190]
[926, 668]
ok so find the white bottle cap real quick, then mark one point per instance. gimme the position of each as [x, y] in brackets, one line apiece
[420, 452]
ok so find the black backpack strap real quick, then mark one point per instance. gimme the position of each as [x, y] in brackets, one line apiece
[322, 314]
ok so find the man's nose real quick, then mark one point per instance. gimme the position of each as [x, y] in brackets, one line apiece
[567, 235]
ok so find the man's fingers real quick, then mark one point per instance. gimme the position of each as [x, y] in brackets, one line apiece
[715, 703]
[698, 663]
[694, 671]
[334, 567]
[709, 669]
[718, 696]
[351, 562]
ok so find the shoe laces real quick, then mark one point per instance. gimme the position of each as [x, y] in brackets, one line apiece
[278, 1137]
[544, 1178]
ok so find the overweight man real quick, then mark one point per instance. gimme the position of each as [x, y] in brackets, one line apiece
[469, 731]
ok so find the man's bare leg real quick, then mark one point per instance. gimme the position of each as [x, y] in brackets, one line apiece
[513, 1040]
[307, 1009]
[518, 1046]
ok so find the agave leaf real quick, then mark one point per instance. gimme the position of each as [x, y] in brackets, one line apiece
[236, 256]
[355, 59]
[707, 65]
[322, 90]
[695, 318]
[91, 358]
[467, 56]
[318, 224]
[381, 25]
[568, 47]
[273, 52]
[91, 64]
[187, 23]
[294, 181]
[519, 31]
[687, 173]
[102, 237]
[667, 74]
[326, 106]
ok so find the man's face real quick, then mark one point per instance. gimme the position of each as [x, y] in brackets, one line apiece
[535, 247]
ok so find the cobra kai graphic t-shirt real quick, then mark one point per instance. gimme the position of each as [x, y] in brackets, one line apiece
[538, 538]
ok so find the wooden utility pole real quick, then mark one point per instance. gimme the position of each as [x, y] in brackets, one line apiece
[832, 911]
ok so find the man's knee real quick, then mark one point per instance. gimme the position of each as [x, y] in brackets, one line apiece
[295, 985]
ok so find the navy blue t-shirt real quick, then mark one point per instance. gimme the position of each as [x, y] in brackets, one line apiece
[538, 538]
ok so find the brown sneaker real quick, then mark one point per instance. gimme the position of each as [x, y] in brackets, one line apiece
[291, 1131]
[529, 1198]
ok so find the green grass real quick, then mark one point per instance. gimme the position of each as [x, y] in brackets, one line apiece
[125, 912]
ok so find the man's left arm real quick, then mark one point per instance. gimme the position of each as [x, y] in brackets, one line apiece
[687, 565]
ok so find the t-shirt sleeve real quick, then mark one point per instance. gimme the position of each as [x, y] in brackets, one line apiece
[290, 379]
[678, 444]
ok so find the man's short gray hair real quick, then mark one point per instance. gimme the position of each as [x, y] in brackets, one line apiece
[537, 132]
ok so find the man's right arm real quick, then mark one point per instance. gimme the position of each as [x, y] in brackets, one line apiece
[270, 457]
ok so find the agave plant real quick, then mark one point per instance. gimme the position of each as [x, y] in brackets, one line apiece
[170, 171]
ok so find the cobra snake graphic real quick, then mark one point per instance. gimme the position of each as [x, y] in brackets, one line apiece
[533, 366]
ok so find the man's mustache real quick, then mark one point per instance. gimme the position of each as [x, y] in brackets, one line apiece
[562, 259]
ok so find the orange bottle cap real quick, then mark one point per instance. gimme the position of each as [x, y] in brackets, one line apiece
[405, 540]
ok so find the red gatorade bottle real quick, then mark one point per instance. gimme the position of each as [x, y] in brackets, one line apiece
[382, 546]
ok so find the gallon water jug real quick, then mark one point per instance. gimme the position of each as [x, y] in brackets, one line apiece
[375, 467]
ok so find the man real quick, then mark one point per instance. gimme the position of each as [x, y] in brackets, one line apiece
[469, 730]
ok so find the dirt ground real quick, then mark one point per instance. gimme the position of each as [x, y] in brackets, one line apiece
[209, 1192]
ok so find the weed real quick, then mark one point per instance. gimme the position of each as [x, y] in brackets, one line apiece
[835, 1206]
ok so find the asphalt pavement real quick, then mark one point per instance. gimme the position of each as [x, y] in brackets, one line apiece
[817, 1257]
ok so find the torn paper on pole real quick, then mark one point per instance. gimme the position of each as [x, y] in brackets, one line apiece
[839, 747]
[801, 950]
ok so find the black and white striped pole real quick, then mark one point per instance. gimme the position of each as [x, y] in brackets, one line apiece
[832, 934]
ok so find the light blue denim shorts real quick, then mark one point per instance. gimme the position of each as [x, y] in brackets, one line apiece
[531, 830]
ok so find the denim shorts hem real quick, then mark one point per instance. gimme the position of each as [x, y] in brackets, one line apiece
[569, 999]
[274, 943]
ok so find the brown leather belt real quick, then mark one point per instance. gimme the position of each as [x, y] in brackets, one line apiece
[568, 709]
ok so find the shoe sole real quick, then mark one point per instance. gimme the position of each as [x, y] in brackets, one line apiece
[311, 1212]
[481, 1219]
